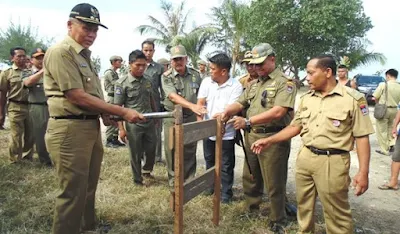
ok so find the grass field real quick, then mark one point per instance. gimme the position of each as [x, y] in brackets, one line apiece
[28, 190]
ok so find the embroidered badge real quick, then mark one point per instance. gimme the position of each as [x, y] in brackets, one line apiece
[336, 123]
[364, 109]
[83, 65]
[118, 90]
[289, 87]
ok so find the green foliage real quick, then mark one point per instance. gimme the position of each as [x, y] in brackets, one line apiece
[19, 35]
[97, 63]
[299, 30]
[229, 21]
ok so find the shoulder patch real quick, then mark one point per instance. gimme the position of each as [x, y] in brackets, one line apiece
[308, 92]
[354, 93]
[121, 80]
[168, 72]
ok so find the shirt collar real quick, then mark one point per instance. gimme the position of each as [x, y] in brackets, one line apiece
[132, 78]
[15, 67]
[175, 73]
[75, 45]
[273, 75]
[339, 89]
[229, 82]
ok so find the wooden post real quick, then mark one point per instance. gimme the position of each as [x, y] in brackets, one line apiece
[217, 177]
[178, 169]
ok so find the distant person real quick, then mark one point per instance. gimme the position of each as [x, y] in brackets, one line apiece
[202, 65]
[28, 62]
[73, 137]
[395, 167]
[217, 92]
[154, 73]
[12, 89]
[2, 112]
[329, 118]
[38, 109]
[134, 91]
[343, 72]
[384, 126]
[110, 77]
[251, 71]
[164, 62]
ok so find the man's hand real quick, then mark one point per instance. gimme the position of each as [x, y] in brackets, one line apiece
[107, 121]
[394, 132]
[133, 116]
[261, 144]
[360, 182]
[198, 110]
[238, 122]
[122, 135]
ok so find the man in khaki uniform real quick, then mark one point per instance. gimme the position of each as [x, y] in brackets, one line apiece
[73, 136]
[328, 119]
[202, 65]
[134, 91]
[164, 62]
[110, 77]
[154, 72]
[268, 103]
[384, 126]
[180, 85]
[38, 110]
[251, 71]
[11, 82]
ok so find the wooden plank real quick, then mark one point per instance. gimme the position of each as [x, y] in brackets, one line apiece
[178, 168]
[196, 131]
[171, 138]
[217, 181]
[197, 185]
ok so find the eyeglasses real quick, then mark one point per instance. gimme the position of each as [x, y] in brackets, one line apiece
[264, 98]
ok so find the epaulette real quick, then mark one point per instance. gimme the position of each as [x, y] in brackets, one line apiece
[243, 76]
[122, 79]
[354, 93]
[168, 72]
[251, 83]
[193, 69]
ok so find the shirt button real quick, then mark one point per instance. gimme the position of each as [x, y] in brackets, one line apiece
[317, 125]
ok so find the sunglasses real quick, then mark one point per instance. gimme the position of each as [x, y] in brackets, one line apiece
[264, 99]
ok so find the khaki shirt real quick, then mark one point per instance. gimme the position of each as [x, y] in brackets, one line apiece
[186, 86]
[36, 92]
[274, 90]
[245, 80]
[393, 93]
[67, 66]
[11, 82]
[154, 72]
[110, 77]
[333, 121]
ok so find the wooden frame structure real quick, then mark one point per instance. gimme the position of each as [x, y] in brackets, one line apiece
[185, 191]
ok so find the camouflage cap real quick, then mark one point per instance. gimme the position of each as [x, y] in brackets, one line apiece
[202, 62]
[115, 57]
[247, 56]
[178, 51]
[86, 13]
[261, 52]
[163, 61]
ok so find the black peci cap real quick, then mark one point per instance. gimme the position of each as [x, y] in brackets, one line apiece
[86, 13]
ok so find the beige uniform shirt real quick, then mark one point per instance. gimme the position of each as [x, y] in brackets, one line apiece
[333, 121]
[245, 81]
[274, 90]
[393, 93]
[67, 66]
[11, 82]
[110, 77]
[186, 86]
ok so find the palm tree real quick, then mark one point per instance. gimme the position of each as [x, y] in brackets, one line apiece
[175, 24]
[230, 23]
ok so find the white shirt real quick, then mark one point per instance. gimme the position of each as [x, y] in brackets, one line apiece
[218, 98]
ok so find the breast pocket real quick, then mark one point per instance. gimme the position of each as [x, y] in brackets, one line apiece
[336, 122]
[271, 94]
[88, 80]
[305, 120]
[132, 92]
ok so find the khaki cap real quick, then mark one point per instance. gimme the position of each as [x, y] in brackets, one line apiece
[86, 13]
[247, 56]
[163, 61]
[178, 51]
[115, 57]
[261, 52]
[202, 62]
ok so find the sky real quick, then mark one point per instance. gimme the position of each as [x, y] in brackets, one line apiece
[123, 16]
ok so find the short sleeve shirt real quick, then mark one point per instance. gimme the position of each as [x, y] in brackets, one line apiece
[393, 93]
[67, 66]
[333, 121]
[274, 90]
[11, 82]
[186, 86]
[154, 72]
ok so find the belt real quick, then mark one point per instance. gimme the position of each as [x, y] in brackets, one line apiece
[82, 117]
[19, 102]
[38, 103]
[110, 94]
[267, 129]
[392, 107]
[326, 152]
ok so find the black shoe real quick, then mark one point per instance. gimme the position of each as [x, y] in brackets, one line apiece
[111, 144]
[381, 152]
[117, 142]
[138, 183]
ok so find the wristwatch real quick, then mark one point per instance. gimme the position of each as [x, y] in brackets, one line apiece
[248, 125]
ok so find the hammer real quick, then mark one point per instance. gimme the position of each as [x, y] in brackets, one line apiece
[156, 115]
